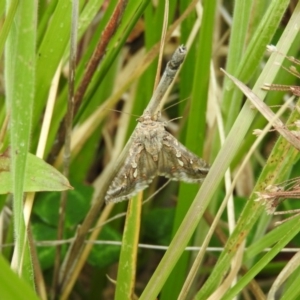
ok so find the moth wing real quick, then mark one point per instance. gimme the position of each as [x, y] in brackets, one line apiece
[134, 176]
[178, 163]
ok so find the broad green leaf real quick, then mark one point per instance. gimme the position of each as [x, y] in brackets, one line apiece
[12, 286]
[40, 176]
[104, 255]
[47, 206]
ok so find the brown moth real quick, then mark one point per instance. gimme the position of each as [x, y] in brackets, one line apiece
[153, 152]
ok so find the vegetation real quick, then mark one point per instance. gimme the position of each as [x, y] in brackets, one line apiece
[63, 241]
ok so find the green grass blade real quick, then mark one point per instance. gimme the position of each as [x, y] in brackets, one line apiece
[13, 287]
[20, 83]
[195, 133]
[7, 24]
[214, 177]
[128, 256]
[294, 228]
[50, 53]
[292, 291]
[275, 169]
[232, 97]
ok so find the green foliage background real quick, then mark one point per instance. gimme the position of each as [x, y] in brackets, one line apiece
[34, 44]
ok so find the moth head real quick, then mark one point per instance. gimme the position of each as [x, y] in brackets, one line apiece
[156, 116]
[148, 117]
[144, 118]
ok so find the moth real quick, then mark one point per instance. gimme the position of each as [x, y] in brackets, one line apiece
[154, 152]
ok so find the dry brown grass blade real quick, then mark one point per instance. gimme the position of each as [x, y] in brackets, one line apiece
[289, 268]
[267, 112]
[163, 41]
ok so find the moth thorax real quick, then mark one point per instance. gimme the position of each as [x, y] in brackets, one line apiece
[153, 147]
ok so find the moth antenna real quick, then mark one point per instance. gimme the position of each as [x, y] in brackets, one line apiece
[156, 192]
[122, 112]
[176, 103]
[121, 215]
[174, 119]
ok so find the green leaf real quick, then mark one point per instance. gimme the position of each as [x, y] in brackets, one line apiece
[19, 78]
[46, 213]
[157, 225]
[7, 23]
[12, 286]
[78, 204]
[128, 255]
[39, 176]
[46, 254]
[105, 255]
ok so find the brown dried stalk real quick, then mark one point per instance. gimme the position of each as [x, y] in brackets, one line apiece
[275, 194]
[67, 142]
[97, 56]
